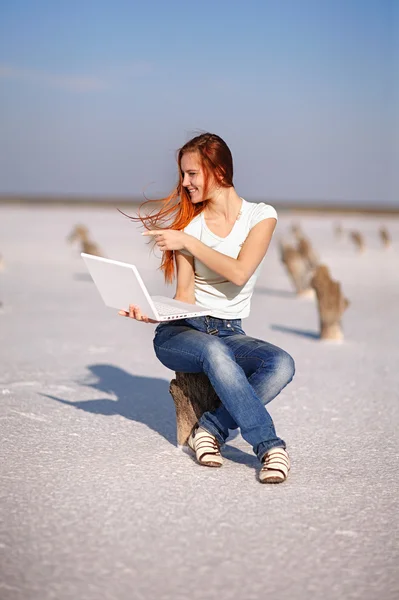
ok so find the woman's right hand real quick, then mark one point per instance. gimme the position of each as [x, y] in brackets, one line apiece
[135, 313]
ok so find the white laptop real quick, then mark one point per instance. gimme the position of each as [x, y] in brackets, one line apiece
[120, 284]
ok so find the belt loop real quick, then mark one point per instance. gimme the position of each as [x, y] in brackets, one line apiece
[210, 330]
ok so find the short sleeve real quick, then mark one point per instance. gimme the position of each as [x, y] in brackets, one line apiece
[261, 212]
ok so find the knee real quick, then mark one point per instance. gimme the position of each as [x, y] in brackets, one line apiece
[286, 367]
[218, 356]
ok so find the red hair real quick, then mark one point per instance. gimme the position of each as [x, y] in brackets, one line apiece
[177, 209]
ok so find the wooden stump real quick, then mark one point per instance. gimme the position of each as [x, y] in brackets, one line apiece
[296, 230]
[305, 249]
[193, 395]
[338, 230]
[358, 240]
[385, 237]
[90, 247]
[81, 233]
[297, 268]
[331, 304]
[77, 232]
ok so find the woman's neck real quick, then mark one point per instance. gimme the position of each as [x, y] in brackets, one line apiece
[225, 204]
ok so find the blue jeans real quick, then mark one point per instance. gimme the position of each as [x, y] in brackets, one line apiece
[246, 373]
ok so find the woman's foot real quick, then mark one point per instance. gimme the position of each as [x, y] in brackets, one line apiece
[275, 466]
[206, 447]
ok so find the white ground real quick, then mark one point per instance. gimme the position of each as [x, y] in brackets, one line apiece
[98, 502]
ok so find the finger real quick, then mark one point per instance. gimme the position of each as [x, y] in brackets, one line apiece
[150, 232]
[137, 314]
[148, 320]
[123, 313]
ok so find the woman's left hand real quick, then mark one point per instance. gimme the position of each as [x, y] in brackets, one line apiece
[168, 239]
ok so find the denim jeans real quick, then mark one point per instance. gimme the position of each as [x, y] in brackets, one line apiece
[246, 373]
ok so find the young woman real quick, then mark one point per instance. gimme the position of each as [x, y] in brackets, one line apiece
[217, 241]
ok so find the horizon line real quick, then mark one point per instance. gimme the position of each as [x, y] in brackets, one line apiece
[97, 200]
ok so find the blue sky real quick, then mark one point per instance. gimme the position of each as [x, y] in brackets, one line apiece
[96, 97]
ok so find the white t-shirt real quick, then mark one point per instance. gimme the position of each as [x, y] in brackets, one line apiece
[225, 299]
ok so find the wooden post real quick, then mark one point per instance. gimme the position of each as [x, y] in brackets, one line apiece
[338, 230]
[385, 237]
[331, 304]
[193, 395]
[296, 230]
[81, 233]
[305, 249]
[358, 240]
[297, 268]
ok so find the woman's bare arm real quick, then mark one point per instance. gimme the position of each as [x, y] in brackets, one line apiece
[237, 270]
[185, 278]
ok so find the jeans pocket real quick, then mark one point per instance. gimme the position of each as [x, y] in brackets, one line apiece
[238, 329]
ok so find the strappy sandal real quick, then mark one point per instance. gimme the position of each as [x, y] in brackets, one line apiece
[206, 448]
[275, 467]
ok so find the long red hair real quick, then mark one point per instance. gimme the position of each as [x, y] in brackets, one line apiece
[177, 210]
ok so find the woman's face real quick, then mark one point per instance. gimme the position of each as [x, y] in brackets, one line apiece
[193, 178]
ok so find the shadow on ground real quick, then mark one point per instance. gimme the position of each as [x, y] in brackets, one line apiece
[143, 399]
[303, 332]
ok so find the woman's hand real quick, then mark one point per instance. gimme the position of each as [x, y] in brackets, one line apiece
[168, 239]
[135, 313]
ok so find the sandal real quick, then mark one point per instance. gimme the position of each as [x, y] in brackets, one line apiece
[206, 447]
[275, 467]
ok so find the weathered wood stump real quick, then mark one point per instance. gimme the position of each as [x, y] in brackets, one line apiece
[385, 237]
[307, 252]
[338, 230]
[77, 233]
[358, 240]
[297, 268]
[90, 247]
[193, 395]
[331, 304]
[296, 230]
[80, 233]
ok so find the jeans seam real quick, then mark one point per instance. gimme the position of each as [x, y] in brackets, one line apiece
[252, 358]
[174, 350]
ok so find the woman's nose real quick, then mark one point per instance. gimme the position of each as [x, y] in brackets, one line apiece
[186, 180]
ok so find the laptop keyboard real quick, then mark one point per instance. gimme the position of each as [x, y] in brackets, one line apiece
[166, 309]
